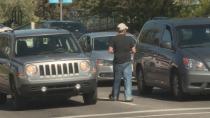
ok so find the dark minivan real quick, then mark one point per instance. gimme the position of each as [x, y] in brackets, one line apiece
[174, 54]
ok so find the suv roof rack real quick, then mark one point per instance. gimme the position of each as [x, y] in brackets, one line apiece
[160, 18]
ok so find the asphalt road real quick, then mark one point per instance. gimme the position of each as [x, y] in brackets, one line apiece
[158, 105]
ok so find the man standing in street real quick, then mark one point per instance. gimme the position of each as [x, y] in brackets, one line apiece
[122, 47]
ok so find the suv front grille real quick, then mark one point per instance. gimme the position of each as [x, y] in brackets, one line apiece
[58, 69]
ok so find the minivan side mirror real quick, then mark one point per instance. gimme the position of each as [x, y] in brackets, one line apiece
[166, 44]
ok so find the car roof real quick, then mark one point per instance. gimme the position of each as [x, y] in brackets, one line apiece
[58, 21]
[102, 34]
[37, 32]
[176, 22]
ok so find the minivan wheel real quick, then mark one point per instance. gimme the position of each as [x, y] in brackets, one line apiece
[143, 89]
[176, 88]
[90, 98]
[3, 98]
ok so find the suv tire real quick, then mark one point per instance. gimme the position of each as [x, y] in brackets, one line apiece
[176, 87]
[143, 89]
[3, 98]
[90, 98]
[19, 103]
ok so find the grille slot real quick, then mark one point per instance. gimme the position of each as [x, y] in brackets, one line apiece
[70, 68]
[58, 69]
[76, 68]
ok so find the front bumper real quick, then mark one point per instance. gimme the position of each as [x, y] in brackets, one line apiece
[196, 82]
[105, 72]
[57, 88]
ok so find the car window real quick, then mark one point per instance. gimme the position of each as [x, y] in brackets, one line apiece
[150, 34]
[38, 45]
[194, 35]
[166, 36]
[5, 47]
[102, 43]
[88, 44]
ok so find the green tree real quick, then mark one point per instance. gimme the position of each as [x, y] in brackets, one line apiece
[27, 8]
[133, 12]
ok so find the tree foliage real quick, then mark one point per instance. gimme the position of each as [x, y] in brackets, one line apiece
[27, 8]
[133, 12]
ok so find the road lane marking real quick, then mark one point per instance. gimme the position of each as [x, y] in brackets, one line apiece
[135, 112]
[164, 115]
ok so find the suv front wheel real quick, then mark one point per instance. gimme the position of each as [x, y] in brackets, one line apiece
[3, 98]
[90, 98]
[143, 89]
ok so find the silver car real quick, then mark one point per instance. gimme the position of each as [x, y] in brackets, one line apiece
[95, 45]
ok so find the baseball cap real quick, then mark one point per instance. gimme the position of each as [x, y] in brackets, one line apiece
[122, 26]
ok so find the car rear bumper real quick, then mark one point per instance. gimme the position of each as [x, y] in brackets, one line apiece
[71, 88]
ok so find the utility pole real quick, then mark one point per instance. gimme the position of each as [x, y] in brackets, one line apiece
[61, 10]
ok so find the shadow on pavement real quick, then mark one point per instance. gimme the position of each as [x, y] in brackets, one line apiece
[41, 104]
[165, 95]
[109, 83]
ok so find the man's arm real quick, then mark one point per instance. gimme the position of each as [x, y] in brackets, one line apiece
[133, 50]
[111, 50]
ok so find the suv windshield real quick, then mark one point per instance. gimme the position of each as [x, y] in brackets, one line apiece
[101, 43]
[194, 36]
[38, 45]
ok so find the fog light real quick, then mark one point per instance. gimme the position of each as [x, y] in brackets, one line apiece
[77, 86]
[44, 89]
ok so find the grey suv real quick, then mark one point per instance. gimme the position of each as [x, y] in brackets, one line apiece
[174, 54]
[44, 62]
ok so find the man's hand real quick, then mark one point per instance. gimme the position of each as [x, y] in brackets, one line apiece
[111, 50]
[133, 50]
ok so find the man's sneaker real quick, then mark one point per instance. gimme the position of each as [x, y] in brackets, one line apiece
[130, 100]
[113, 98]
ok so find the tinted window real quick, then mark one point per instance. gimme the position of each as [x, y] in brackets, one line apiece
[167, 36]
[101, 43]
[4, 47]
[151, 34]
[39, 45]
[194, 35]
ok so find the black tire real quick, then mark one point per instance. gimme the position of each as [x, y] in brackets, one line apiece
[176, 88]
[90, 98]
[143, 89]
[3, 98]
[19, 103]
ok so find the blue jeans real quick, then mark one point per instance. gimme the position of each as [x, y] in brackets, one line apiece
[123, 71]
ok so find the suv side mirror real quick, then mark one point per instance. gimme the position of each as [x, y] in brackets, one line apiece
[166, 44]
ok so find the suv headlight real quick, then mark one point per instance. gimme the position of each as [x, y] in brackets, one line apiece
[85, 66]
[194, 65]
[31, 70]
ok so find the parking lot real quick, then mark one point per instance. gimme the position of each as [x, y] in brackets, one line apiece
[158, 105]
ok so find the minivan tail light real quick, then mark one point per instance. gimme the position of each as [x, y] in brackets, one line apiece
[186, 61]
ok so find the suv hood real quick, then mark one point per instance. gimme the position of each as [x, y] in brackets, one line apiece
[202, 54]
[50, 58]
[105, 55]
